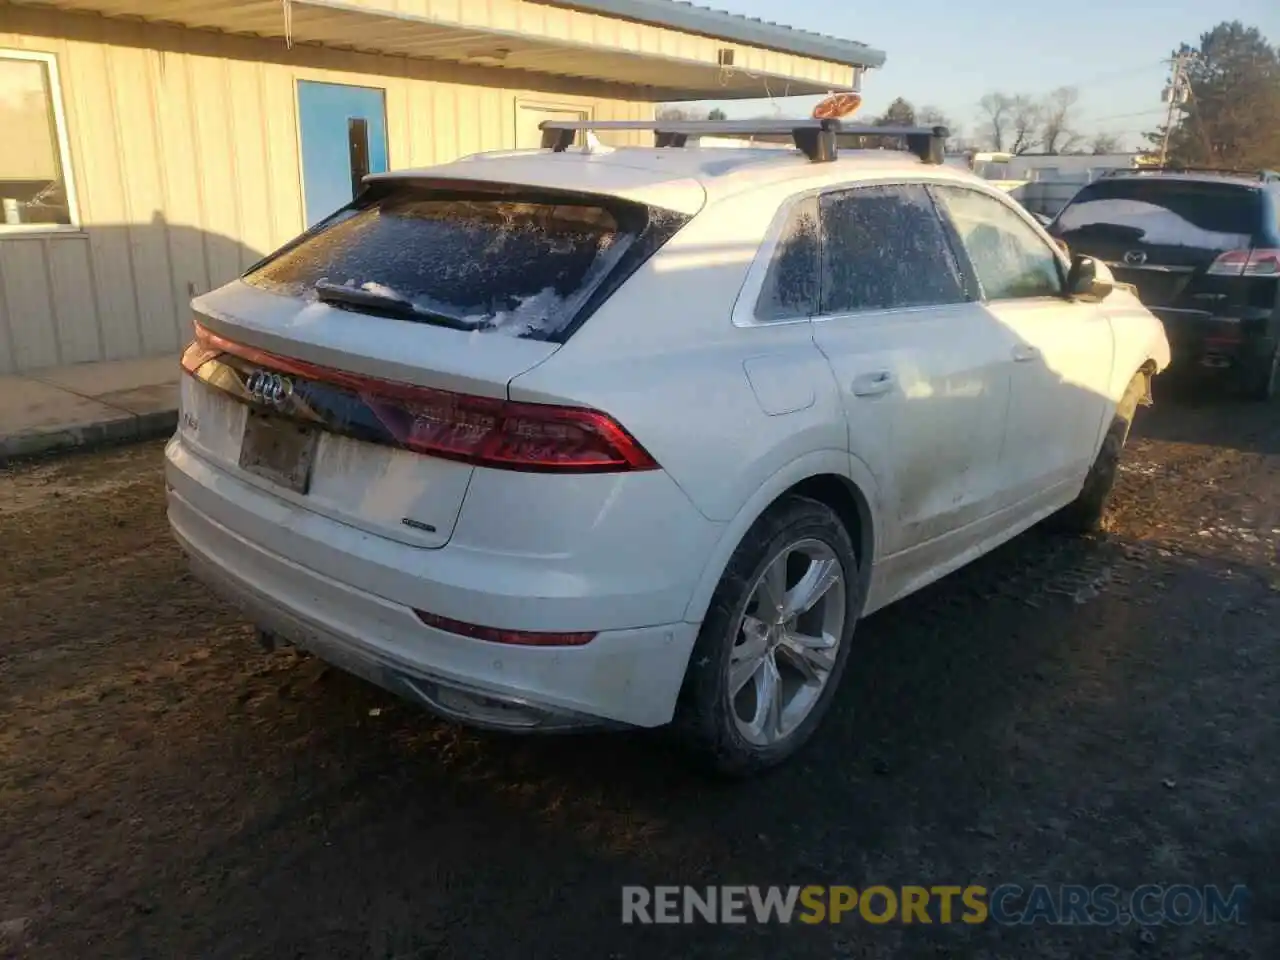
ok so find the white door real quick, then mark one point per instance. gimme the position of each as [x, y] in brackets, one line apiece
[528, 118]
[913, 355]
[1061, 349]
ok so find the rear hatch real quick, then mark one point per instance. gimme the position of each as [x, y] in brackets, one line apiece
[362, 370]
[1162, 234]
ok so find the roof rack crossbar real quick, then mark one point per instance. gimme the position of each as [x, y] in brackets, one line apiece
[816, 139]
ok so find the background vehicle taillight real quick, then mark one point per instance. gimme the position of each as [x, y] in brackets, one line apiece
[1247, 263]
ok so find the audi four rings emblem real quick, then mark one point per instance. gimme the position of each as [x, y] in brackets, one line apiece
[269, 387]
[1135, 257]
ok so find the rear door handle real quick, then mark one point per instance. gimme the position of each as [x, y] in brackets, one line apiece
[1024, 352]
[872, 384]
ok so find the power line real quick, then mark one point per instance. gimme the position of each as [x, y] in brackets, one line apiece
[1124, 116]
[1118, 74]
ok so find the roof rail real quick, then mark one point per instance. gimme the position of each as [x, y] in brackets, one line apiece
[816, 139]
[1266, 176]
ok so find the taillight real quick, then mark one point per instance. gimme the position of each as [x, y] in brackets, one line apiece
[1247, 263]
[479, 430]
[524, 638]
[517, 436]
[197, 354]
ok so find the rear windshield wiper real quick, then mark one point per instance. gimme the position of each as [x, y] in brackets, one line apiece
[355, 297]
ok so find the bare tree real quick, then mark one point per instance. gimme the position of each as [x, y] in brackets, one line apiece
[934, 117]
[1057, 121]
[928, 116]
[1103, 143]
[996, 109]
[1024, 124]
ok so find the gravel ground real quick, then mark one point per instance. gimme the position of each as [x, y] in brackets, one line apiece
[1088, 711]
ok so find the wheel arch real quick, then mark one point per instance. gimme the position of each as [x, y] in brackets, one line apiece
[831, 477]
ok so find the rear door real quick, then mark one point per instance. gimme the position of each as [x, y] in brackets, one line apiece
[920, 367]
[1060, 352]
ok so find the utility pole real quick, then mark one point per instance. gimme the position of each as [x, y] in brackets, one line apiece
[1175, 94]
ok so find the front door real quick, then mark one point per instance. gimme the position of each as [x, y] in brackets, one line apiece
[918, 361]
[343, 132]
[1061, 350]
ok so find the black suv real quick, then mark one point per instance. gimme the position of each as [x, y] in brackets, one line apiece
[1202, 247]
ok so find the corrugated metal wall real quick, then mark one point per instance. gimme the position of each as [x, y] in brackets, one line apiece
[541, 19]
[184, 150]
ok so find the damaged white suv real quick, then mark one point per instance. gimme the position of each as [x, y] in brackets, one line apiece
[579, 437]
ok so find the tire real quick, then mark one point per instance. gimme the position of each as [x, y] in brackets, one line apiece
[1084, 514]
[1265, 382]
[730, 730]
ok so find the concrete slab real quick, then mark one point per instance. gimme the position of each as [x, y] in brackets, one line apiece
[113, 376]
[36, 417]
[87, 404]
[143, 400]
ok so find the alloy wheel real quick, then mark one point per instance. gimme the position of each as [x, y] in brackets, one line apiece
[787, 641]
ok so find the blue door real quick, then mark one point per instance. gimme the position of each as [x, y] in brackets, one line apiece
[343, 131]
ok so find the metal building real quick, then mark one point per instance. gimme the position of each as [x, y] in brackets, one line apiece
[152, 149]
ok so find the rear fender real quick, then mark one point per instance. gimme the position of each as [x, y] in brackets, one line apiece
[819, 462]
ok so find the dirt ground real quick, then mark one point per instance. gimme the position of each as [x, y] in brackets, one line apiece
[1089, 711]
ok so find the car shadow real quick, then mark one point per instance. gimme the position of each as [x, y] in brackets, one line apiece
[114, 291]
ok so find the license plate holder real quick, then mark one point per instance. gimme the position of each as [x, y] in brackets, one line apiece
[279, 450]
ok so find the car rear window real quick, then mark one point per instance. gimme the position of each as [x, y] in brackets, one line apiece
[1182, 213]
[516, 264]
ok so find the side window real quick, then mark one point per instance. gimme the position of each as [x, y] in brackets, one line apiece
[1010, 259]
[884, 247]
[790, 287]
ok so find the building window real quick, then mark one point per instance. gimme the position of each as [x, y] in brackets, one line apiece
[35, 183]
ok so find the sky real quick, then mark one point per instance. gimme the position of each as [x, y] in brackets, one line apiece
[948, 54]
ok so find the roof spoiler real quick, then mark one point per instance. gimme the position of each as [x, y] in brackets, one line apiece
[816, 139]
[1265, 176]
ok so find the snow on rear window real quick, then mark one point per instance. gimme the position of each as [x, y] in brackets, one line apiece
[1167, 213]
[507, 266]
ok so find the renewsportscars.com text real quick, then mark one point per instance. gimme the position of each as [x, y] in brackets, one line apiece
[1007, 904]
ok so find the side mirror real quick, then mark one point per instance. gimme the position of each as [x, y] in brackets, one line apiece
[1089, 280]
[1062, 245]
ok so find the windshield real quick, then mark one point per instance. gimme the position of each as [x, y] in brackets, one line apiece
[520, 266]
[1175, 213]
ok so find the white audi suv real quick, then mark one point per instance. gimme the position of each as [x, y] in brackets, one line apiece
[584, 436]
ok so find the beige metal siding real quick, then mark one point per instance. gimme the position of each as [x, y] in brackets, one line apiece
[539, 19]
[184, 150]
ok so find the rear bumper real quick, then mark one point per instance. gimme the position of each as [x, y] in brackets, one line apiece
[623, 676]
[1210, 341]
